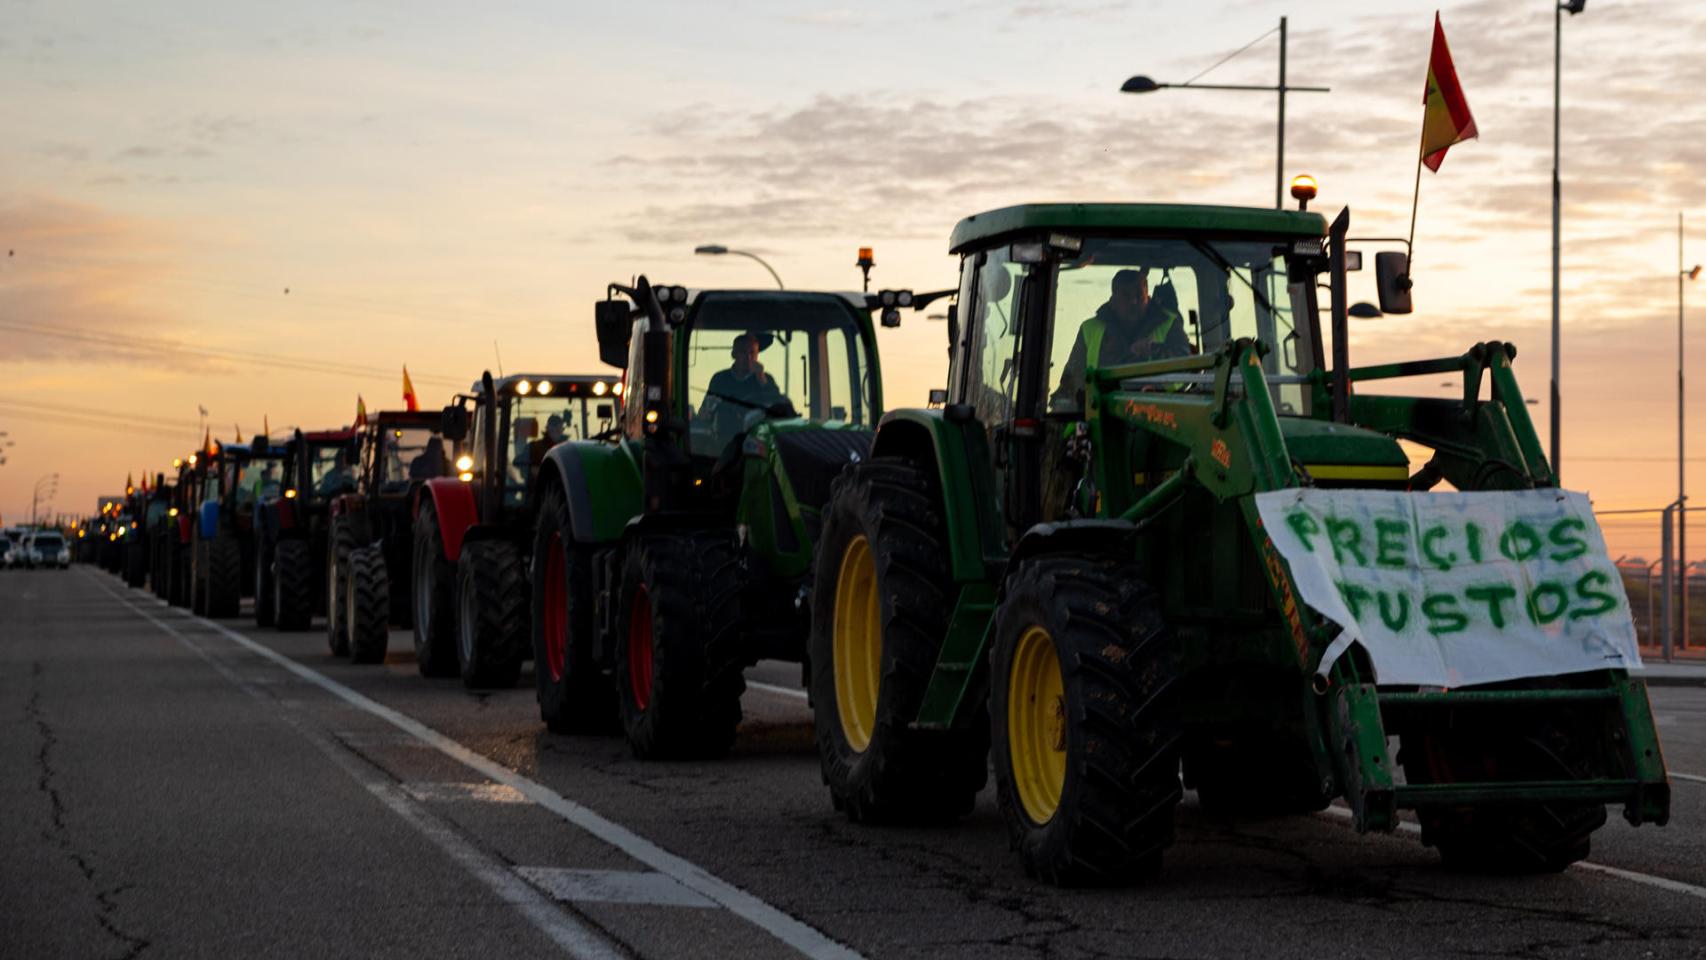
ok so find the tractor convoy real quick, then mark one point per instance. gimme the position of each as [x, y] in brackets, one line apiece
[1155, 535]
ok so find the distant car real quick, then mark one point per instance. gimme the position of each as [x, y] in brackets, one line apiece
[47, 548]
[5, 553]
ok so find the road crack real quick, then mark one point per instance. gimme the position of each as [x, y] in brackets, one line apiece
[58, 833]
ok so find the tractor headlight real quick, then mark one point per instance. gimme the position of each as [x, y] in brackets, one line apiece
[465, 477]
[290, 494]
[545, 388]
[464, 463]
[172, 512]
[599, 389]
[616, 389]
[523, 388]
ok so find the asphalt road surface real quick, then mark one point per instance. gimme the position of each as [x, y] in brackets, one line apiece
[176, 787]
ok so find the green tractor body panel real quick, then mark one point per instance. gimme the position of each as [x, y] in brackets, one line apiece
[1181, 446]
[779, 514]
[603, 485]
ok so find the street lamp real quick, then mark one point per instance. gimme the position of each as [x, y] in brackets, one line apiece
[718, 250]
[1682, 274]
[1143, 84]
[35, 495]
[1572, 7]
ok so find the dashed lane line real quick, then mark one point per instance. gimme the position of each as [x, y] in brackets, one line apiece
[784, 927]
[1691, 778]
[577, 938]
[794, 692]
[1645, 879]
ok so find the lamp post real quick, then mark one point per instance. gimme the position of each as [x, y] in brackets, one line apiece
[35, 495]
[1143, 84]
[1682, 274]
[1572, 7]
[718, 250]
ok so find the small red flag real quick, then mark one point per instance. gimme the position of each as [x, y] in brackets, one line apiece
[360, 411]
[409, 399]
[1446, 119]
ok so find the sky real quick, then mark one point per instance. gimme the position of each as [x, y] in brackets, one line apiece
[265, 209]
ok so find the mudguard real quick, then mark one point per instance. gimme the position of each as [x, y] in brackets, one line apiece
[958, 453]
[602, 483]
[453, 501]
[207, 527]
[1116, 538]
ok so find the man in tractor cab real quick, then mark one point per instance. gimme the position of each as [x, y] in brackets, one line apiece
[734, 393]
[339, 479]
[1130, 327]
[554, 434]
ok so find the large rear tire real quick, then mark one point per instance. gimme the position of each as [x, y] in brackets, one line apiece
[575, 696]
[265, 584]
[224, 577]
[293, 587]
[1084, 721]
[491, 614]
[180, 575]
[198, 577]
[135, 563]
[880, 612]
[367, 611]
[342, 539]
[435, 599]
[679, 659]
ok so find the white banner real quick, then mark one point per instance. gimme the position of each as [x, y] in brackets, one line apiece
[1454, 589]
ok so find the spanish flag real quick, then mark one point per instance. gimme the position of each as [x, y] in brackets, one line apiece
[1446, 119]
[239, 431]
[207, 443]
[412, 402]
[360, 411]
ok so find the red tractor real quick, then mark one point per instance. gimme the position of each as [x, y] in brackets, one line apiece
[474, 532]
[372, 536]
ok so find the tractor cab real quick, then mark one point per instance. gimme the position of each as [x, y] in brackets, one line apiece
[401, 449]
[512, 421]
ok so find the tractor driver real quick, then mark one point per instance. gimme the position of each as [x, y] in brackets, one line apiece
[554, 435]
[736, 392]
[339, 479]
[1130, 327]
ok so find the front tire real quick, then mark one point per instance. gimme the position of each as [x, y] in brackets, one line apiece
[342, 540]
[435, 599]
[575, 696]
[491, 606]
[265, 585]
[678, 648]
[880, 611]
[224, 577]
[293, 573]
[198, 577]
[1084, 721]
[367, 611]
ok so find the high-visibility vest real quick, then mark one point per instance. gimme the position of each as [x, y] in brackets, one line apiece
[1096, 327]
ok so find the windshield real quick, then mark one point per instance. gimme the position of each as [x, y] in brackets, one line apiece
[257, 478]
[536, 424]
[747, 354]
[329, 469]
[1128, 300]
[47, 541]
[409, 452]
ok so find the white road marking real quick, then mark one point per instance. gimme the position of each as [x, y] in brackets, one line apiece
[1646, 879]
[773, 688]
[578, 938]
[641, 887]
[1692, 778]
[454, 791]
[795, 933]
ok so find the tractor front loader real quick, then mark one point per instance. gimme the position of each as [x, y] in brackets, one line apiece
[1154, 531]
[675, 552]
[473, 532]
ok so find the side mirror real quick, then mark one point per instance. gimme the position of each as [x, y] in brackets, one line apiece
[953, 327]
[1392, 277]
[604, 411]
[614, 326]
[454, 425]
[938, 397]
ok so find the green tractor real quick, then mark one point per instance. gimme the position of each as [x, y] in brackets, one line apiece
[671, 556]
[1153, 531]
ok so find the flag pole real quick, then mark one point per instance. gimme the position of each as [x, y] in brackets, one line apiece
[1416, 196]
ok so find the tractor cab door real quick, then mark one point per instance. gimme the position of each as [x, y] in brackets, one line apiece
[990, 372]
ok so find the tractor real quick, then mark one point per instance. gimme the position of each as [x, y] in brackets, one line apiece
[174, 537]
[1069, 571]
[234, 478]
[675, 553]
[373, 530]
[149, 505]
[293, 529]
[473, 531]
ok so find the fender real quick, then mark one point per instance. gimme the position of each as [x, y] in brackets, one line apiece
[1100, 537]
[602, 484]
[958, 453]
[208, 517]
[346, 504]
[453, 501]
[184, 530]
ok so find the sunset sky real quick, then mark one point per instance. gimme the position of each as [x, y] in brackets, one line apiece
[426, 177]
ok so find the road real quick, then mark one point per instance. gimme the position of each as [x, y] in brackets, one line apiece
[178, 787]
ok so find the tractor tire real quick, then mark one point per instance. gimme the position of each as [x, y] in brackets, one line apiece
[575, 696]
[135, 564]
[339, 543]
[293, 585]
[198, 577]
[1507, 839]
[679, 657]
[491, 614]
[435, 599]
[367, 611]
[224, 578]
[1084, 725]
[179, 585]
[266, 603]
[882, 597]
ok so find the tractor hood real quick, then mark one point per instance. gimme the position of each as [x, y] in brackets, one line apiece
[1343, 454]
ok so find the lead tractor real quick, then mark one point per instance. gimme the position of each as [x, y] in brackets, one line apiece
[291, 579]
[1099, 565]
[399, 451]
[473, 532]
[674, 553]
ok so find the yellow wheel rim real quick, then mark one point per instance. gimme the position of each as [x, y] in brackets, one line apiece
[858, 640]
[1036, 725]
